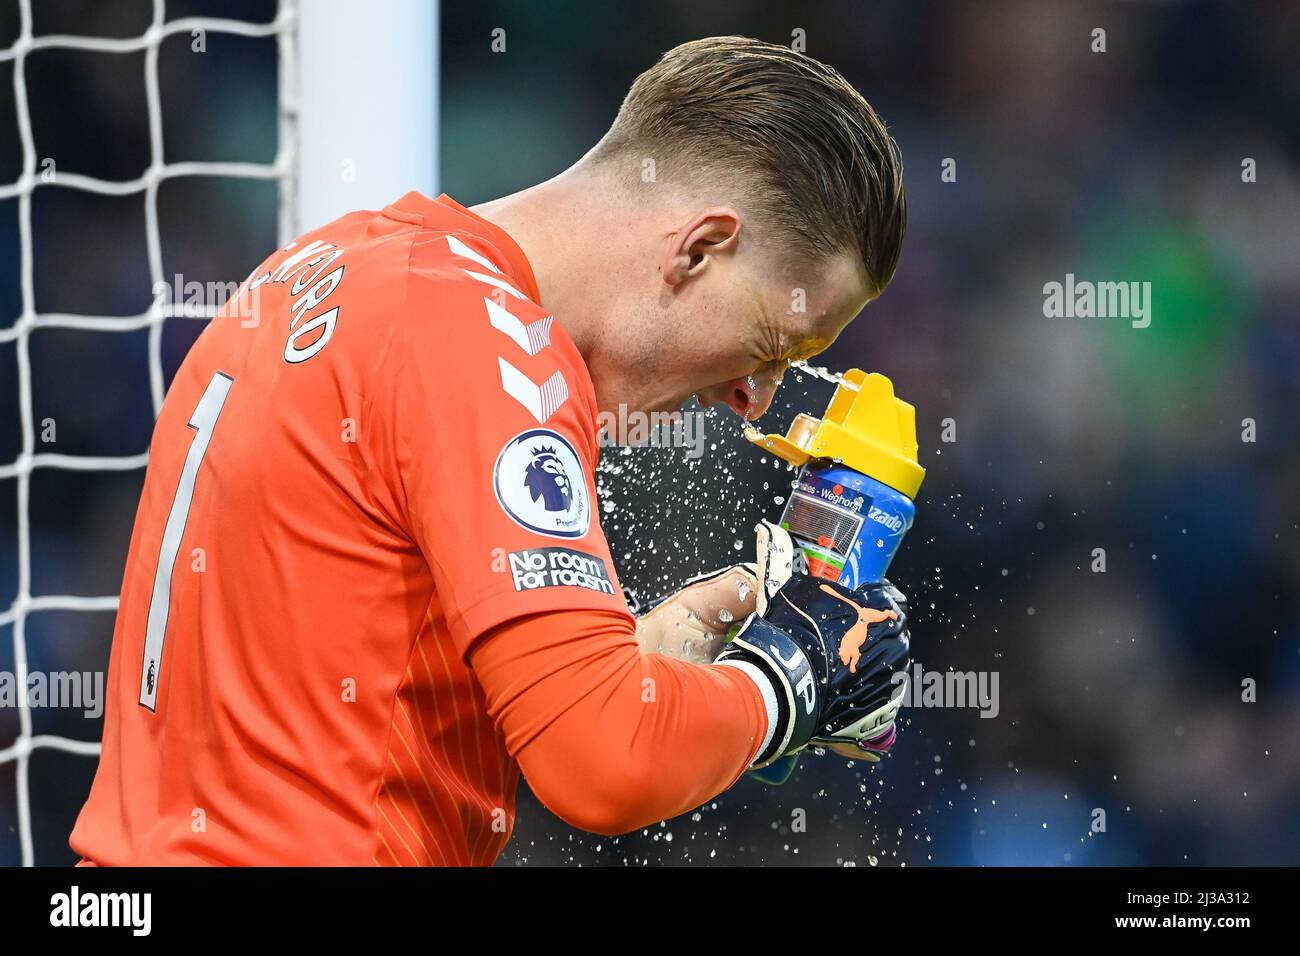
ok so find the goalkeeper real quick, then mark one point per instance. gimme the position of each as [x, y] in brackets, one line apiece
[367, 583]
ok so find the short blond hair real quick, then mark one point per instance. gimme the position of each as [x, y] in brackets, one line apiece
[824, 170]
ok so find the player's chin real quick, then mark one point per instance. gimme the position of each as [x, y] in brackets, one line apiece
[704, 400]
[669, 406]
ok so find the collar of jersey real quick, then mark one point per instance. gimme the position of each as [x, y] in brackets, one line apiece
[416, 204]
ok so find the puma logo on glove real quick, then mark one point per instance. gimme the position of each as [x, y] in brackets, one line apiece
[853, 639]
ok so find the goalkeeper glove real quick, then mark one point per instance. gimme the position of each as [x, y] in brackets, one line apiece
[831, 654]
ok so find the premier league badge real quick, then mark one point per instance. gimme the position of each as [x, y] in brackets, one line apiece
[540, 483]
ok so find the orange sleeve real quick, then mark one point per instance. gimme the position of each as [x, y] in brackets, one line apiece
[611, 739]
[493, 427]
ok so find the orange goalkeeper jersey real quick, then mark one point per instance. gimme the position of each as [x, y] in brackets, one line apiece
[382, 448]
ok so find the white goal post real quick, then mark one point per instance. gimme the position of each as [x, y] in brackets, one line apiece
[357, 118]
[369, 91]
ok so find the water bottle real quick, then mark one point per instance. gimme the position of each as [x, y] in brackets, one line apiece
[853, 500]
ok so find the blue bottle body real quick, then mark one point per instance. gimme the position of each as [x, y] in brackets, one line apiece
[849, 526]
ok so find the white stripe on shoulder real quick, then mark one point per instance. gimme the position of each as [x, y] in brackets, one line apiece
[532, 338]
[543, 400]
[495, 281]
[459, 248]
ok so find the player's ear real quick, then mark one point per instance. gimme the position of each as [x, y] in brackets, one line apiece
[689, 250]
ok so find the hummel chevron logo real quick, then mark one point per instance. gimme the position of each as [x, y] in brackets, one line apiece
[460, 249]
[532, 338]
[542, 400]
[495, 279]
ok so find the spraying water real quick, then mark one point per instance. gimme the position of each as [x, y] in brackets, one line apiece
[826, 375]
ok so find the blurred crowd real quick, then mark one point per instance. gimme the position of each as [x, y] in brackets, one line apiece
[1169, 453]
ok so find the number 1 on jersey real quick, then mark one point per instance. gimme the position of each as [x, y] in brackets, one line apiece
[203, 421]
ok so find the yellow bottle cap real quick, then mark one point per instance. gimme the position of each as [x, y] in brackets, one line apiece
[865, 428]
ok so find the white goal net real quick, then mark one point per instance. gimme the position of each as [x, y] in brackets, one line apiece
[31, 462]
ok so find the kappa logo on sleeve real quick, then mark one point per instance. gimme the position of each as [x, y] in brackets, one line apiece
[558, 567]
[540, 483]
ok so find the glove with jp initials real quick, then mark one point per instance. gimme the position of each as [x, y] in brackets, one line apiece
[831, 654]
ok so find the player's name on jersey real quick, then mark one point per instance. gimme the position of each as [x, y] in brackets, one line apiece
[312, 286]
